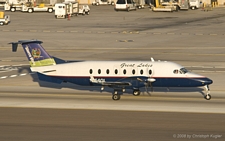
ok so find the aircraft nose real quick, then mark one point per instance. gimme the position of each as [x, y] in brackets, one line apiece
[207, 81]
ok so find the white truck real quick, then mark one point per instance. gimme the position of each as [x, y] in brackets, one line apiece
[194, 4]
[4, 19]
[62, 10]
[14, 5]
[30, 8]
[70, 8]
[103, 2]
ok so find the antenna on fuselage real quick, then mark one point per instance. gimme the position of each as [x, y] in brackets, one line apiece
[152, 59]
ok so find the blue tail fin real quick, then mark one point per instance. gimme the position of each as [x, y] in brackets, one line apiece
[35, 53]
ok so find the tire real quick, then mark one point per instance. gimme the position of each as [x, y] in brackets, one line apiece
[30, 10]
[207, 97]
[97, 4]
[83, 13]
[88, 13]
[13, 9]
[116, 97]
[136, 92]
[50, 10]
[1, 23]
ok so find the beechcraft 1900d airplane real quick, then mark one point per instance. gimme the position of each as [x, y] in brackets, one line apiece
[118, 75]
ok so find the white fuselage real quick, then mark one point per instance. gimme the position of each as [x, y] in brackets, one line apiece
[165, 73]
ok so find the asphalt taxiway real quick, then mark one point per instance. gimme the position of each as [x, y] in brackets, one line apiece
[194, 39]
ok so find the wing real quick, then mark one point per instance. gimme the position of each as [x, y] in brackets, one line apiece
[104, 83]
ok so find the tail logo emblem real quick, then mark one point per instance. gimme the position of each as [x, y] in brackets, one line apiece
[36, 53]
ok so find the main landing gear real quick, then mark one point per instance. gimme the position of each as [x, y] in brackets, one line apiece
[116, 95]
[207, 96]
[136, 92]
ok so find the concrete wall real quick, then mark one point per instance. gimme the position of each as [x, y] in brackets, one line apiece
[220, 2]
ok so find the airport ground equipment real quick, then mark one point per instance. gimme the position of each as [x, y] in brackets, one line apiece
[42, 7]
[180, 4]
[194, 4]
[103, 2]
[168, 7]
[14, 5]
[4, 19]
[84, 10]
[207, 7]
[2, 3]
[68, 8]
[140, 3]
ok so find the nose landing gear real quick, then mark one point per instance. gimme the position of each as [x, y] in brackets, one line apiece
[207, 96]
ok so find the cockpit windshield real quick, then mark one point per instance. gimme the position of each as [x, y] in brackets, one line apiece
[183, 70]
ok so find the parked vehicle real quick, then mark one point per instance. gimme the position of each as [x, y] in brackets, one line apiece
[4, 19]
[125, 5]
[14, 5]
[84, 9]
[30, 8]
[194, 4]
[103, 2]
[62, 10]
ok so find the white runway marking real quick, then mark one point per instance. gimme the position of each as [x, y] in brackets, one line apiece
[3, 77]
[22, 74]
[13, 75]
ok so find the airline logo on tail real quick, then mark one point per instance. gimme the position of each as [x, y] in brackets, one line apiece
[36, 54]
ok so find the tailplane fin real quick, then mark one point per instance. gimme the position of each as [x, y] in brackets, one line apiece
[35, 53]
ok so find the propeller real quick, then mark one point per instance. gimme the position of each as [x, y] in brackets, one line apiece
[147, 83]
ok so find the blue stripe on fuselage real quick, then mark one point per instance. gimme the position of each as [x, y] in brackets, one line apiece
[160, 81]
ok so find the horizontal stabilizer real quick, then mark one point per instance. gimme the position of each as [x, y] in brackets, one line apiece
[14, 47]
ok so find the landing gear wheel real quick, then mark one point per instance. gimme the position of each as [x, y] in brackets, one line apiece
[136, 92]
[116, 97]
[207, 97]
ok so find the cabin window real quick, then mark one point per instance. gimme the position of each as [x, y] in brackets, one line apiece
[116, 71]
[99, 71]
[175, 71]
[141, 72]
[107, 71]
[90, 71]
[133, 71]
[149, 72]
[124, 71]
